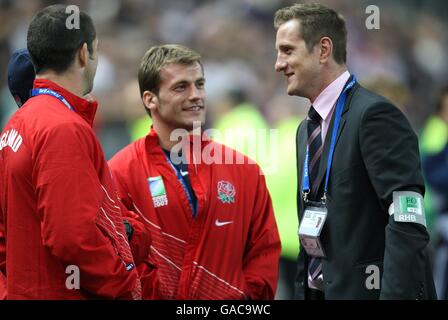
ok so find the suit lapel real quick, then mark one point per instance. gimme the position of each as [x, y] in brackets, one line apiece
[301, 140]
[344, 112]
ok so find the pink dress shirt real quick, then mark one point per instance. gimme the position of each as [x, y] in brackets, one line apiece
[326, 100]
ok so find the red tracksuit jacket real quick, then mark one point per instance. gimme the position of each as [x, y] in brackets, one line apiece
[229, 251]
[58, 206]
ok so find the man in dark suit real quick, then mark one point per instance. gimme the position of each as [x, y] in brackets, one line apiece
[373, 243]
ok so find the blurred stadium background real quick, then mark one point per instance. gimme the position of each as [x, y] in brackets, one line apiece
[405, 60]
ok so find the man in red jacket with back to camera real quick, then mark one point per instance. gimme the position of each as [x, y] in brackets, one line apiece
[214, 234]
[60, 216]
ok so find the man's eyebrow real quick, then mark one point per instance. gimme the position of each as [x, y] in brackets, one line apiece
[183, 81]
[179, 82]
[285, 47]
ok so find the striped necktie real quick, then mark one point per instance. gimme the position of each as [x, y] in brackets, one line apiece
[315, 276]
[315, 147]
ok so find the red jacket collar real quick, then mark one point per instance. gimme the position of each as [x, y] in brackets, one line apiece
[84, 108]
[152, 143]
[154, 138]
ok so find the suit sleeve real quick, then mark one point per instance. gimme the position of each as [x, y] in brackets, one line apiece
[69, 197]
[390, 151]
[261, 260]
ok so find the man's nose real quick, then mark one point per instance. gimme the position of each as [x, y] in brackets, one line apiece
[196, 93]
[279, 64]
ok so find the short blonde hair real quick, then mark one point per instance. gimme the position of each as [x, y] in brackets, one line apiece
[159, 56]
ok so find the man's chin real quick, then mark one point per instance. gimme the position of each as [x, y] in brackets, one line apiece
[195, 123]
[292, 91]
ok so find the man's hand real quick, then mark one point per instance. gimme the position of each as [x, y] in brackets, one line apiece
[129, 229]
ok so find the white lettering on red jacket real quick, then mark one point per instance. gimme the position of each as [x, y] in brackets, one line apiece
[12, 139]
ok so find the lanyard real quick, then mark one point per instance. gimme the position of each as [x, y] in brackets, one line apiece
[337, 119]
[36, 92]
[184, 186]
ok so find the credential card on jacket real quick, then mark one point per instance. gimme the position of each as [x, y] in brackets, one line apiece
[310, 229]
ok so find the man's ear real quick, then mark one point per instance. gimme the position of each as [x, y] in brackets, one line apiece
[325, 46]
[150, 100]
[83, 55]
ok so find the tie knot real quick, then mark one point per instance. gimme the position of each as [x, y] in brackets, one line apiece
[313, 115]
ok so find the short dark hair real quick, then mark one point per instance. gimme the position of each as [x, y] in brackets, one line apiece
[317, 21]
[51, 44]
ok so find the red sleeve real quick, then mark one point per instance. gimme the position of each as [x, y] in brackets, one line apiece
[261, 260]
[2, 263]
[2, 249]
[2, 259]
[69, 197]
[150, 280]
[2, 287]
[141, 240]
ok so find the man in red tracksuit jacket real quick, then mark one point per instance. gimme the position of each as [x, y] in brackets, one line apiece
[61, 227]
[214, 234]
